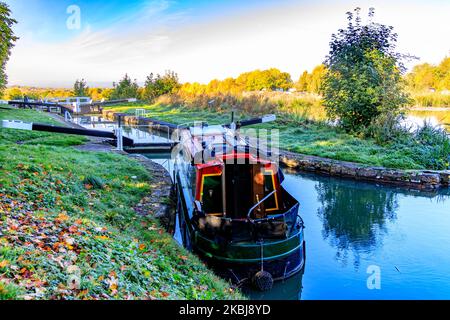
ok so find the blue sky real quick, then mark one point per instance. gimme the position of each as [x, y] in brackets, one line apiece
[200, 40]
[47, 18]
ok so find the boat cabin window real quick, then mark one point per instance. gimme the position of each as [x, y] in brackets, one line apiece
[247, 185]
[211, 194]
[271, 204]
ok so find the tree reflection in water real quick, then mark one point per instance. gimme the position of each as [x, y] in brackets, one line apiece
[354, 215]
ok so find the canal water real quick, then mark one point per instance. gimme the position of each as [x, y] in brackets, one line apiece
[367, 241]
[436, 116]
[353, 228]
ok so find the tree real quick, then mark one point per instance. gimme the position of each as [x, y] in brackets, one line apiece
[14, 94]
[106, 93]
[7, 41]
[364, 74]
[442, 75]
[422, 77]
[270, 79]
[160, 85]
[303, 82]
[125, 89]
[193, 89]
[425, 76]
[80, 89]
[316, 79]
[312, 82]
[228, 86]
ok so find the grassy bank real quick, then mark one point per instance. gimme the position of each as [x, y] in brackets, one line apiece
[68, 229]
[299, 134]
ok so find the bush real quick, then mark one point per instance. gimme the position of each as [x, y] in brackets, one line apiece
[363, 79]
[428, 145]
[386, 129]
[435, 144]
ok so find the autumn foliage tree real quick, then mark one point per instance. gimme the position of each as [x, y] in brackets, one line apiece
[364, 74]
[270, 79]
[7, 40]
[426, 76]
[257, 80]
[312, 82]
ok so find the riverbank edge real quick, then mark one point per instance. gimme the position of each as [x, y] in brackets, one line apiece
[416, 179]
[159, 202]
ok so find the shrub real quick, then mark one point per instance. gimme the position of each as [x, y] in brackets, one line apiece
[364, 74]
[386, 129]
[435, 143]
[428, 145]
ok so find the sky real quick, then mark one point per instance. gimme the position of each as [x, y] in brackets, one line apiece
[200, 40]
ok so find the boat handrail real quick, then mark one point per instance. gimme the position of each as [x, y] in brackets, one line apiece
[259, 203]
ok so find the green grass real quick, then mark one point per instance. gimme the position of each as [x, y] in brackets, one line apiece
[311, 137]
[32, 137]
[431, 99]
[177, 115]
[67, 215]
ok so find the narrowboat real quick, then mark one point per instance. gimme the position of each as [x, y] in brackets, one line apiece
[232, 208]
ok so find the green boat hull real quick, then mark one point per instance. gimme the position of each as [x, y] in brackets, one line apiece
[282, 258]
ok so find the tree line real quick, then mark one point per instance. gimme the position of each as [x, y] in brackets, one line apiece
[422, 77]
[430, 77]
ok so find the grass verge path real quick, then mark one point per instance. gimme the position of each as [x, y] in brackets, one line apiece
[68, 229]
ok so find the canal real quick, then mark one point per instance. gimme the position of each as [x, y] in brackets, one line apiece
[360, 234]
[354, 226]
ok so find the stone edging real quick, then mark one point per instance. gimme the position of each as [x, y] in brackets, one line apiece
[159, 202]
[420, 179]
